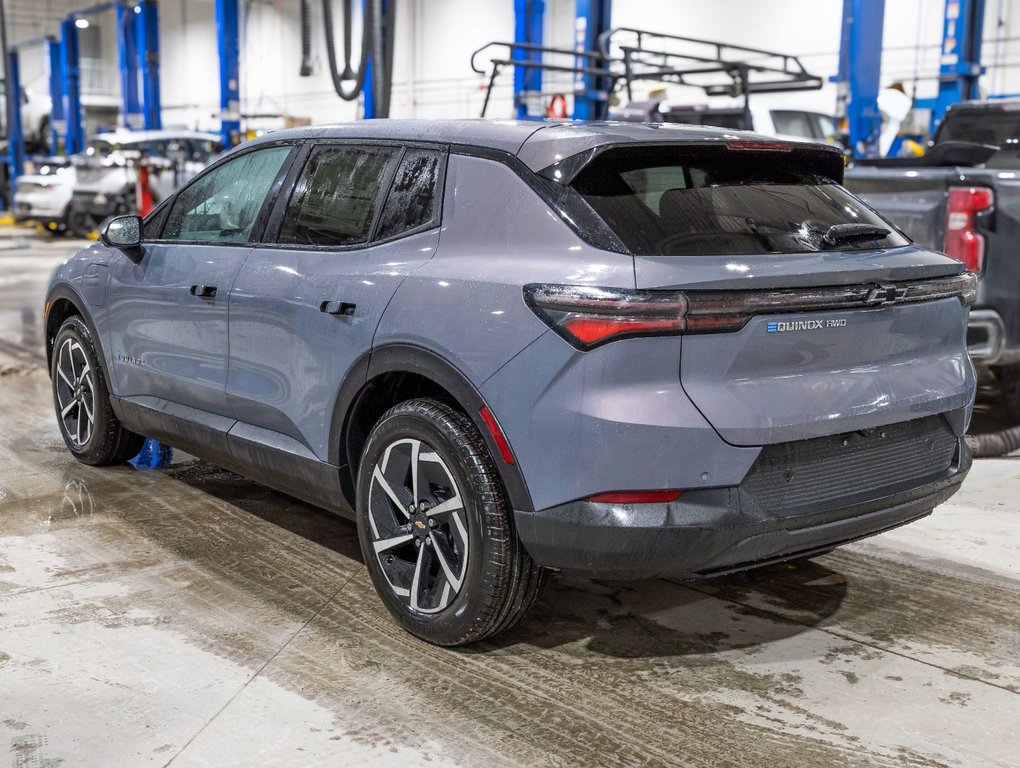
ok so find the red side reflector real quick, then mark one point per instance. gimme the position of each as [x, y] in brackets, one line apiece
[635, 497]
[497, 434]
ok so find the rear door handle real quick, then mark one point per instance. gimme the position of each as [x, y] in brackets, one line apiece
[203, 291]
[337, 308]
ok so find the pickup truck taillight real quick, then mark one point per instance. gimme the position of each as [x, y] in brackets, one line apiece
[963, 241]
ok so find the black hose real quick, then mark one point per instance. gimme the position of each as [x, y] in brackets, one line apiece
[306, 38]
[994, 443]
[391, 37]
[359, 77]
[372, 44]
[348, 73]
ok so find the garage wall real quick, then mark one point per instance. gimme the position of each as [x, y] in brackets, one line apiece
[436, 37]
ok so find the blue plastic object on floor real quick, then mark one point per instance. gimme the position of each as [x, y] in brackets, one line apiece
[154, 455]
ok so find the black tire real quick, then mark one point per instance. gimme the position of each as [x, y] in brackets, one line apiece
[493, 580]
[105, 441]
[1009, 381]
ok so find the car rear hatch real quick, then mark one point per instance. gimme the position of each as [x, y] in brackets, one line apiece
[805, 313]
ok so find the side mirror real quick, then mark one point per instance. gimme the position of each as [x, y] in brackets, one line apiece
[125, 234]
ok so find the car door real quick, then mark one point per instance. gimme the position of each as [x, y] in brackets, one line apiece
[306, 307]
[168, 313]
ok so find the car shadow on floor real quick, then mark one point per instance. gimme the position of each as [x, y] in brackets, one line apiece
[654, 618]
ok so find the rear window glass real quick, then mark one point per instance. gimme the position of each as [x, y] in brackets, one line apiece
[716, 201]
[985, 127]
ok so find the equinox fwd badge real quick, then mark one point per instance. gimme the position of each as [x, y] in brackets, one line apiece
[783, 326]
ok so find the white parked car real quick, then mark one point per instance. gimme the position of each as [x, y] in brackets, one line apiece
[44, 196]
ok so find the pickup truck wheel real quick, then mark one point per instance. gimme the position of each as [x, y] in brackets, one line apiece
[1009, 380]
[436, 531]
[90, 429]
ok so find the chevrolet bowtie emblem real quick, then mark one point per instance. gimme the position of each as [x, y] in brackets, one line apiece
[884, 294]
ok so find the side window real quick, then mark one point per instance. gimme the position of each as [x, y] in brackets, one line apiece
[414, 197]
[222, 205]
[792, 123]
[336, 196]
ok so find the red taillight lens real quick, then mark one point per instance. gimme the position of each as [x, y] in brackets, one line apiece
[588, 317]
[636, 497]
[963, 241]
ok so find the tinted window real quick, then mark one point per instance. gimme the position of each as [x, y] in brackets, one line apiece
[336, 197]
[222, 205]
[735, 119]
[664, 201]
[793, 123]
[987, 126]
[413, 200]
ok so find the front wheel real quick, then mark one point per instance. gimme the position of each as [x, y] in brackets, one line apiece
[87, 422]
[436, 531]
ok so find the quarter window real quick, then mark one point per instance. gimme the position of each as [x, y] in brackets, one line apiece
[413, 201]
[336, 198]
[222, 205]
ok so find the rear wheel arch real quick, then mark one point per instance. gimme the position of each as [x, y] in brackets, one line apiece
[395, 373]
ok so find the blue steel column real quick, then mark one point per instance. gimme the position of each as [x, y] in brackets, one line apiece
[961, 55]
[529, 21]
[368, 89]
[591, 93]
[860, 68]
[131, 108]
[72, 87]
[227, 27]
[147, 46]
[58, 126]
[15, 135]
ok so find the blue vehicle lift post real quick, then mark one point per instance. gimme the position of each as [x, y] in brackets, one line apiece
[228, 30]
[369, 110]
[591, 92]
[961, 55]
[74, 137]
[147, 50]
[860, 68]
[529, 20]
[58, 125]
[15, 134]
[127, 45]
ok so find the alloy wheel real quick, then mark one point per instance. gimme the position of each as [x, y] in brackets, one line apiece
[418, 524]
[76, 390]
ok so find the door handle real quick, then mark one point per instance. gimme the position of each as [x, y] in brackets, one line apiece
[204, 291]
[337, 308]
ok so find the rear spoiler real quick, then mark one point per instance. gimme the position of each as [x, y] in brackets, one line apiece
[820, 159]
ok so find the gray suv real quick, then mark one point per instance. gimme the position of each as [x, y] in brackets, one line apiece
[620, 350]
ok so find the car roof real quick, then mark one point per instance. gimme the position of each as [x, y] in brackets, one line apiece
[134, 137]
[538, 143]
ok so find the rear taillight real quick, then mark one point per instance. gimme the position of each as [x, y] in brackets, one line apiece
[588, 317]
[963, 241]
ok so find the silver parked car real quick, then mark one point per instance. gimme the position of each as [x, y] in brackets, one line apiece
[504, 347]
[106, 172]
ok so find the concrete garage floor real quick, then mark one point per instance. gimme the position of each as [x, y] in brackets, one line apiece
[187, 617]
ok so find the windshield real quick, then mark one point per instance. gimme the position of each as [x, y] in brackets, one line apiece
[716, 201]
[988, 126]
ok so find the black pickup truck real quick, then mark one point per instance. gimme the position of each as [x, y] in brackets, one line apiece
[963, 198]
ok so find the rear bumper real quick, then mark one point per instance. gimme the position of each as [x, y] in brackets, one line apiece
[714, 531]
